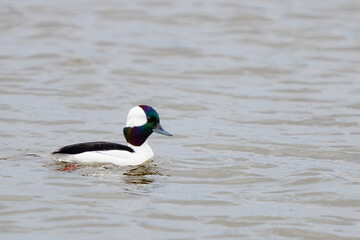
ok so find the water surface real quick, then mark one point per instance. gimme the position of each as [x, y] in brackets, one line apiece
[262, 97]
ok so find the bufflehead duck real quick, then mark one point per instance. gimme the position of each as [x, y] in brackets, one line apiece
[141, 122]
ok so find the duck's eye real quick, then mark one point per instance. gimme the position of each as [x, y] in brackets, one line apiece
[152, 119]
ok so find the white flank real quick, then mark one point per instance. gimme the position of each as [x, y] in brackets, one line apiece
[141, 155]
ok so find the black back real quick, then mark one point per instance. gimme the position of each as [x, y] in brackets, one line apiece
[92, 146]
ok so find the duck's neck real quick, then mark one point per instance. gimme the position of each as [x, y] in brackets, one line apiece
[142, 154]
[136, 136]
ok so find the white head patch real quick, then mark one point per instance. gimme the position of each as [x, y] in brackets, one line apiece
[136, 117]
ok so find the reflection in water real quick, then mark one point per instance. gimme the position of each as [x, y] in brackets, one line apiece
[139, 174]
[135, 175]
[63, 166]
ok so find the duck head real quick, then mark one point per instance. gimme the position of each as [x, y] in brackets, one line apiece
[141, 122]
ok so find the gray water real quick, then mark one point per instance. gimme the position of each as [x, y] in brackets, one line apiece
[262, 97]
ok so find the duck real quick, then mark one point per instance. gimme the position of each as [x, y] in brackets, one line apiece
[142, 121]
